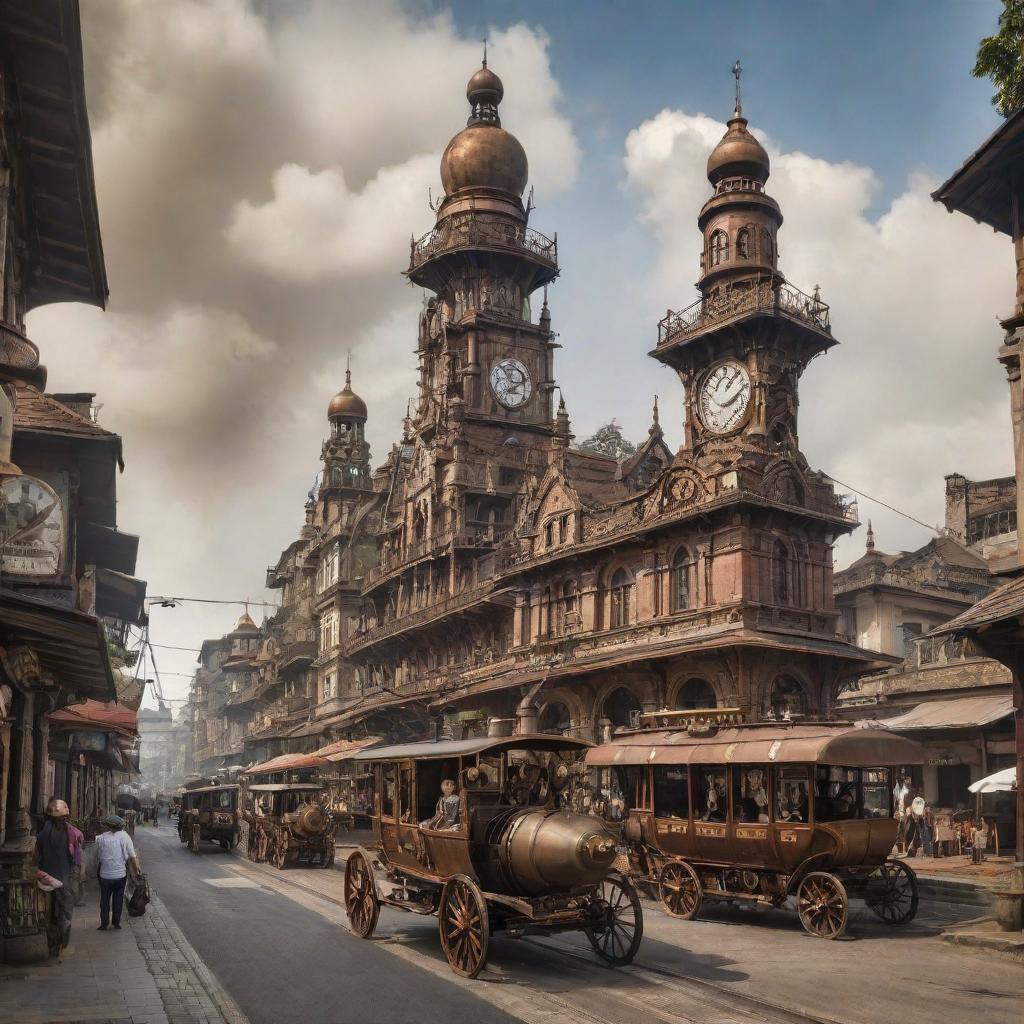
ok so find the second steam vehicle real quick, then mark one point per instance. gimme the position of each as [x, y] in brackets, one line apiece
[482, 833]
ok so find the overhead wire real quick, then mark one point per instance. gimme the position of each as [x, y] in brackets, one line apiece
[892, 508]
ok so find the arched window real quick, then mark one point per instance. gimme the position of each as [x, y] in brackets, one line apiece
[719, 247]
[681, 580]
[743, 243]
[549, 533]
[695, 694]
[568, 608]
[555, 719]
[621, 708]
[787, 698]
[621, 593]
[766, 246]
[781, 590]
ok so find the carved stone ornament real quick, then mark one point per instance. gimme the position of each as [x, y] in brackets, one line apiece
[681, 488]
[21, 666]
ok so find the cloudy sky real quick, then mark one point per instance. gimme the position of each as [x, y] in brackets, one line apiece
[261, 165]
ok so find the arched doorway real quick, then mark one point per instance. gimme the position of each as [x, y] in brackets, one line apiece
[555, 719]
[788, 698]
[695, 694]
[621, 707]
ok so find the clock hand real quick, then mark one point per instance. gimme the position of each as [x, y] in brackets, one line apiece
[38, 518]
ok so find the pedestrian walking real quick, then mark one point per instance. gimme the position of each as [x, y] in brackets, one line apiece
[115, 854]
[56, 851]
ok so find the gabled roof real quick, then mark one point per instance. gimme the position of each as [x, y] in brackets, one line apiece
[1005, 604]
[94, 714]
[36, 410]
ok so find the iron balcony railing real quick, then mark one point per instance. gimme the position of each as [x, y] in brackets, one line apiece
[469, 230]
[763, 296]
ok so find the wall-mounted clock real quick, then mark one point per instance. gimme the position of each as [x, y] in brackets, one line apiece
[31, 527]
[723, 397]
[510, 382]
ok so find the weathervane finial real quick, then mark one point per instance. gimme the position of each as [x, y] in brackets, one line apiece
[737, 70]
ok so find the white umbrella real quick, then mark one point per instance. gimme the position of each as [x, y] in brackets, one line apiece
[1002, 782]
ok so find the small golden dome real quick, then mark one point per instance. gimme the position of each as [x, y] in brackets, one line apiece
[484, 156]
[346, 403]
[246, 625]
[738, 155]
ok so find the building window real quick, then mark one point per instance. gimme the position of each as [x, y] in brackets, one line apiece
[694, 695]
[555, 719]
[549, 534]
[719, 247]
[787, 699]
[621, 593]
[621, 708]
[766, 245]
[568, 608]
[743, 243]
[681, 580]
[781, 590]
[328, 686]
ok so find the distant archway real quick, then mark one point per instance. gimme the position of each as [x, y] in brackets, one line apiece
[555, 718]
[695, 694]
[788, 697]
[621, 707]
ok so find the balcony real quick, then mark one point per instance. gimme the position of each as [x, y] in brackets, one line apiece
[762, 297]
[16, 349]
[416, 618]
[482, 230]
[293, 651]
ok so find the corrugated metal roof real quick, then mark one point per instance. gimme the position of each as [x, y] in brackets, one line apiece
[1007, 602]
[956, 713]
[475, 745]
[287, 762]
[345, 749]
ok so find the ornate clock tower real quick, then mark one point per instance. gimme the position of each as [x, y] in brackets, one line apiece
[478, 341]
[741, 348]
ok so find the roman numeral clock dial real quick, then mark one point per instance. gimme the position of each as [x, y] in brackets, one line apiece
[723, 397]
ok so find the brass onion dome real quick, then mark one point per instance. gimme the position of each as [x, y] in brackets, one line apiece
[246, 625]
[483, 154]
[346, 403]
[738, 155]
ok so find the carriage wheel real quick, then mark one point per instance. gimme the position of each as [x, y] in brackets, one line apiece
[616, 937]
[680, 890]
[361, 903]
[892, 893]
[465, 926]
[193, 839]
[822, 903]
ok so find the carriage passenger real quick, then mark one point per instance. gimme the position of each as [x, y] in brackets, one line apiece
[449, 809]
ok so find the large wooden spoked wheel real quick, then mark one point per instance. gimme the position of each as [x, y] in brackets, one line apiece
[361, 903]
[619, 925]
[193, 839]
[680, 890]
[892, 893]
[822, 904]
[465, 926]
[328, 857]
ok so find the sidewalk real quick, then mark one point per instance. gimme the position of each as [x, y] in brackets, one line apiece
[991, 873]
[147, 973]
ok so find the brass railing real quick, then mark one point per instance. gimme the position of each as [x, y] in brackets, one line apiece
[468, 230]
[759, 296]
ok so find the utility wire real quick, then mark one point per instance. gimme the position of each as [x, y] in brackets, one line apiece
[891, 508]
[170, 601]
[168, 647]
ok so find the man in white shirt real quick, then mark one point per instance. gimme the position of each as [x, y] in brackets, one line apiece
[115, 853]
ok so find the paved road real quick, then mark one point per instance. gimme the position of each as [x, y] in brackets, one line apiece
[278, 942]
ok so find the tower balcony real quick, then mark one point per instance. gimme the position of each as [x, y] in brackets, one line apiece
[475, 231]
[777, 299]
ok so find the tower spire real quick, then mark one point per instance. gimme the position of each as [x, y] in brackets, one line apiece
[737, 70]
[485, 52]
[870, 540]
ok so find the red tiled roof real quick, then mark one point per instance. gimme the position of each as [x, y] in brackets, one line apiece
[36, 410]
[94, 714]
[344, 749]
[287, 762]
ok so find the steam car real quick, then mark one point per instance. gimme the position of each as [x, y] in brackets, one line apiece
[209, 814]
[482, 833]
[288, 824]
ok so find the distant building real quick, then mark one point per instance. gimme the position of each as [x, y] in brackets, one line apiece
[165, 750]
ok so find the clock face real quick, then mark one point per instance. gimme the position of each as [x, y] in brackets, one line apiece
[31, 527]
[510, 382]
[723, 397]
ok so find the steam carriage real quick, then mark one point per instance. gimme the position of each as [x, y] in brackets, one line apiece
[503, 850]
[209, 814]
[288, 824]
[760, 813]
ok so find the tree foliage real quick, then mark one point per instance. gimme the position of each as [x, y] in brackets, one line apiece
[1001, 58]
[608, 440]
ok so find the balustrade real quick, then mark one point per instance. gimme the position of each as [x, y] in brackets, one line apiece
[468, 230]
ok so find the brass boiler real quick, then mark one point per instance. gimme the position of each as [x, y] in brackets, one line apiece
[542, 851]
[308, 821]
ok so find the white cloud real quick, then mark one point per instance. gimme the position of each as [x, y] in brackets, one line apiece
[913, 391]
[259, 170]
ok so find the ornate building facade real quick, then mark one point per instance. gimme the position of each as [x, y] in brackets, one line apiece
[516, 574]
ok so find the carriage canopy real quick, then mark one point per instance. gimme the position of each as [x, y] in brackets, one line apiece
[466, 748]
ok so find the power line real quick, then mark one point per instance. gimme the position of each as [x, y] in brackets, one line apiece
[891, 508]
[168, 647]
[169, 602]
